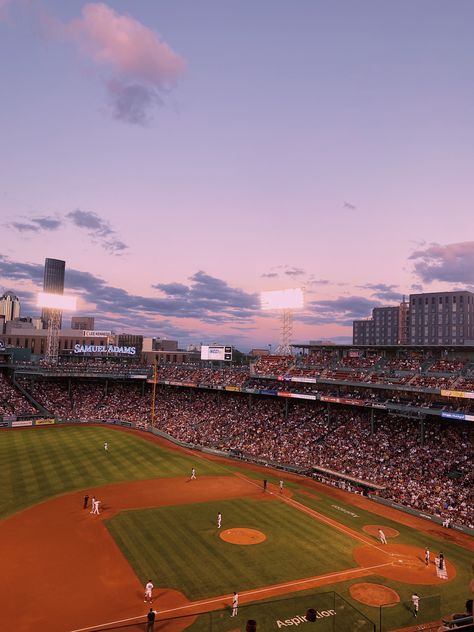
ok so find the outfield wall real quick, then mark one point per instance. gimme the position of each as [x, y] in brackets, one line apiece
[144, 427]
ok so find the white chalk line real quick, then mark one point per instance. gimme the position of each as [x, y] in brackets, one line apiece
[246, 593]
[321, 517]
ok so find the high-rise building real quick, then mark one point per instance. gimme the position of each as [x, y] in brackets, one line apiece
[363, 332]
[9, 306]
[53, 283]
[441, 318]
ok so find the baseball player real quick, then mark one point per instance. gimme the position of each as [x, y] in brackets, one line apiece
[92, 504]
[382, 537]
[427, 556]
[219, 520]
[235, 604]
[281, 487]
[95, 507]
[416, 604]
[148, 592]
[106, 447]
[193, 474]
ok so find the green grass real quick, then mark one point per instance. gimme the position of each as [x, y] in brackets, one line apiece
[39, 464]
[179, 547]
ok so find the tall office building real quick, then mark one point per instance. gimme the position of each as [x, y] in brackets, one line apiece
[441, 318]
[53, 282]
[9, 306]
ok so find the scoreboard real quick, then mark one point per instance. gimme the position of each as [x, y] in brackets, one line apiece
[216, 352]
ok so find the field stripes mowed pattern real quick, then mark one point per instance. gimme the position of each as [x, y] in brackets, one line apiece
[179, 547]
[39, 464]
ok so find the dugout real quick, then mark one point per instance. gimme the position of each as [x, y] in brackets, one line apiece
[343, 481]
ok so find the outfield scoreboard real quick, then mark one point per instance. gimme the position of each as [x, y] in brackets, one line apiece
[216, 352]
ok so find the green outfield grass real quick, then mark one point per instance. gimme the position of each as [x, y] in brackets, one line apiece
[180, 547]
[38, 464]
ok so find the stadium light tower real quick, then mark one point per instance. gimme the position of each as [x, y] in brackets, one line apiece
[55, 304]
[285, 302]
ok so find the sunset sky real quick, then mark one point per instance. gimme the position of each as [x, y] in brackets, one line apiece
[182, 156]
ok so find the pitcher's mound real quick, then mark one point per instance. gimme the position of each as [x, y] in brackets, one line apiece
[373, 594]
[242, 535]
[373, 529]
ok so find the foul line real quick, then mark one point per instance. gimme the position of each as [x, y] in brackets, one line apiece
[321, 517]
[246, 593]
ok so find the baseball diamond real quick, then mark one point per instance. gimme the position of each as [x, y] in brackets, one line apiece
[154, 524]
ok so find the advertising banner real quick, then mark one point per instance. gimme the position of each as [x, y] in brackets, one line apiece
[464, 394]
[44, 422]
[19, 424]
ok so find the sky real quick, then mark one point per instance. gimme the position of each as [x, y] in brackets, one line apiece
[184, 156]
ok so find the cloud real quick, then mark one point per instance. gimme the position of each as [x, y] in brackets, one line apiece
[293, 271]
[206, 299]
[341, 311]
[22, 227]
[131, 103]
[416, 287]
[35, 224]
[47, 223]
[383, 291]
[143, 67]
[450, 263]
[313, 281]
[98, 228]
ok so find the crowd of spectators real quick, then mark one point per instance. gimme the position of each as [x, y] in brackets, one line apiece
[12, 401]
[435, 476]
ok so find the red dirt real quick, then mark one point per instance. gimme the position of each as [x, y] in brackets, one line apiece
[61, 570]
[243, 536]
[373, 529]
[374, 594]
[407, 563]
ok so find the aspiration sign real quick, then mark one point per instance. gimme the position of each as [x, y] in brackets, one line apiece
[115, 349]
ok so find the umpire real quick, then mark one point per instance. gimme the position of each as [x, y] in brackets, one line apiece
[150, 618]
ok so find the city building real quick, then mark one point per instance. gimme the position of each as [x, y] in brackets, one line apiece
[363, 332]
[53, 283]
[87, 323]
[159, 344]
[441, 318]
[428, 318]
[130, 340]
[9, 306]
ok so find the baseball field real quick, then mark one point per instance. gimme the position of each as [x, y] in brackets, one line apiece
[282, 551]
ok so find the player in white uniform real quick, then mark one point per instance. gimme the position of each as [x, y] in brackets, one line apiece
[382, 537]
[416, 604]
[95, 507]
[106, 447]
[235, 604]
[219, 520]
[281, 487]
[193, 474]
[148, 592]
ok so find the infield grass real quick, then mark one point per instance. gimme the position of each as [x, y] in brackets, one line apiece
[179, 547]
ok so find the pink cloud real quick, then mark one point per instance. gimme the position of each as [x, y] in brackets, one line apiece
[127, 46]
[451, 263]
[142, 65]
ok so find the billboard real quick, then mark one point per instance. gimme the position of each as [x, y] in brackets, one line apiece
[93, 333]
[216, 352]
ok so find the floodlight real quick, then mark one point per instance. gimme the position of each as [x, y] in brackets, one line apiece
[56, 301]
[282, 299]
